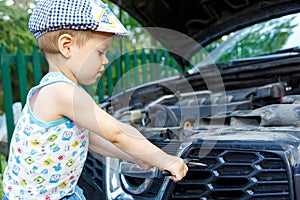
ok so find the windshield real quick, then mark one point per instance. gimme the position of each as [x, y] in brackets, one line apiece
[259, 39]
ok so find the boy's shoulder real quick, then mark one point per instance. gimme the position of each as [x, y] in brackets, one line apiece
[53, 77]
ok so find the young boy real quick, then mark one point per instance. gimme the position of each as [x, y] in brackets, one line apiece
[60, 121]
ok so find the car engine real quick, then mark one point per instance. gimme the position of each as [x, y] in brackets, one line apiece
[248, 137]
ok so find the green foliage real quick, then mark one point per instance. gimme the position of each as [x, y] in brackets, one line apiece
[2, 166]
[261, 39]
[14, 29]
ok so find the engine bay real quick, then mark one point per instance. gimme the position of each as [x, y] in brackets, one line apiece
[163, 110]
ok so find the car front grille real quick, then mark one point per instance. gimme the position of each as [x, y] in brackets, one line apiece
[235, 174]
[91, 180]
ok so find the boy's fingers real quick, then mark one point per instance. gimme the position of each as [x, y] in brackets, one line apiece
[175, 178]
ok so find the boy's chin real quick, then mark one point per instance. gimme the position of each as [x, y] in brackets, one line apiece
[90, 82]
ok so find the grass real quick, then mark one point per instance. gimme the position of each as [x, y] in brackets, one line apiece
[3, 163]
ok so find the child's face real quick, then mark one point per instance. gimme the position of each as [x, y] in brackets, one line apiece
[89, 61]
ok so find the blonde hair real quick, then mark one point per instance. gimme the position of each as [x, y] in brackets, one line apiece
[48, 41]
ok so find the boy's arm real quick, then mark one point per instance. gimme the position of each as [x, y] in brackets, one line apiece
[106, 148]
[79, 106]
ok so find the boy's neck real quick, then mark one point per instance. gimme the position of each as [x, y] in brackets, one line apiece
[57, 63]
[67, 73]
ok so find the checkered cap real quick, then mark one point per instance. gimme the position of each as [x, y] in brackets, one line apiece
[51, 15]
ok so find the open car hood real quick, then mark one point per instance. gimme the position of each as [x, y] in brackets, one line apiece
[204, 20]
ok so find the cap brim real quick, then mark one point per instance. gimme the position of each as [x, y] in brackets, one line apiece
[106, 20]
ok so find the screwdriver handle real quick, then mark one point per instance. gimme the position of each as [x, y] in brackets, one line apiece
[166, 173]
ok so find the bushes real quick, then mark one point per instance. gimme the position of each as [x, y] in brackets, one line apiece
[2, 166]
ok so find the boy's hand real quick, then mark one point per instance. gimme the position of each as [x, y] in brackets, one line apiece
[178, 169]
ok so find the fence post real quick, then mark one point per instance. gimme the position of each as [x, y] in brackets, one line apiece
[173, 65]
[152, 65]
[136, 68]
[109, 77]
[7, 93]
[144, 66]
[127, 69]
[100, 89]
[119, 70]
[36, 64]
[22, 74]
[165, 63]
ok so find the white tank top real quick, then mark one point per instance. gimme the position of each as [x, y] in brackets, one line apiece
[45, 159]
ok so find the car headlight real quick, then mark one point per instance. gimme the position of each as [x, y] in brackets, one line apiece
[125, 179]
[112, 180]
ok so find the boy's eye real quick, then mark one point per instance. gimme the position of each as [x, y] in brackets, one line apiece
[100, 53]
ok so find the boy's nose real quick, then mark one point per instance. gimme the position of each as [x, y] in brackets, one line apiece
[105, 61]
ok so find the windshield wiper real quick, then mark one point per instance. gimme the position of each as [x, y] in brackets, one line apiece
[284, 53]
[288, 50]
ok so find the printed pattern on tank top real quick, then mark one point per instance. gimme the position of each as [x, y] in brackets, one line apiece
[45, 159]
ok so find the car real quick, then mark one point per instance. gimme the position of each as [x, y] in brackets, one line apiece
[235, 115]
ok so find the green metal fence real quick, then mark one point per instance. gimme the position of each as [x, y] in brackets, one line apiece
[20, 72]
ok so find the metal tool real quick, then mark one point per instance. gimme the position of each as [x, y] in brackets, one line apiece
[132, 170]
[191, 162]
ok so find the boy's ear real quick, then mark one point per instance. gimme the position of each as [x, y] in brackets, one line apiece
[64, 45]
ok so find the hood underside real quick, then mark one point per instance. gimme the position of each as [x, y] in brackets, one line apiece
[202, 20]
